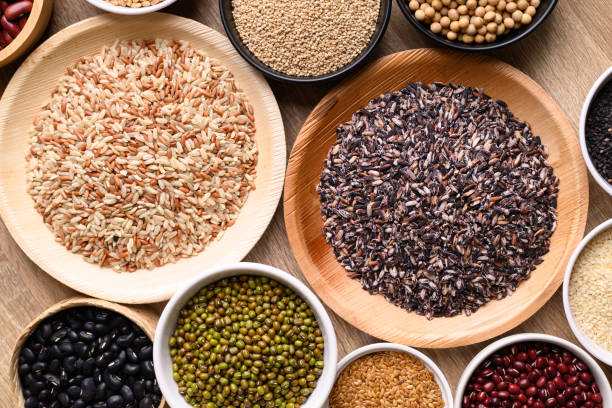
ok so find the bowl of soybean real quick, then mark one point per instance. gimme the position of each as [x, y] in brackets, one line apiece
[84, 351]
[281, 39]
[245, 331]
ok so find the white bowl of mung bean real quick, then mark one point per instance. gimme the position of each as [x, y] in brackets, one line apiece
[587, 292]
[245, 332]
[388, 371]
[130, 7]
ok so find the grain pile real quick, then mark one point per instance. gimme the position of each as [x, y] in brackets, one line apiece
[306, 38]
[438, 198]
[386, 380]
[144, 154]
[590, 290]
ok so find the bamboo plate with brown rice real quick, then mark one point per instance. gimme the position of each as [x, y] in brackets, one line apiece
[30, 89]
[373, 314]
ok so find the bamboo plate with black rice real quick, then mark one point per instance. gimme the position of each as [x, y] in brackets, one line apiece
[435, 198]
[132, 161]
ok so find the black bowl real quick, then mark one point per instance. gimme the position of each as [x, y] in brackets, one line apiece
[227, 17]
[544, 10]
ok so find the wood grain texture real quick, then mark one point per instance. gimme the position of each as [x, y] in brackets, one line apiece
[31, 88]
[373, 314]
[32, 31]
[143, 316]
[565, 56]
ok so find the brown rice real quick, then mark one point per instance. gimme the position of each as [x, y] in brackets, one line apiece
[145, 153]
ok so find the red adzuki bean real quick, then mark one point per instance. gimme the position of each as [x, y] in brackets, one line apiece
[534, 375]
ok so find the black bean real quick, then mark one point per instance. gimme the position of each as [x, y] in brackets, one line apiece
[131, 369]
[114, 401]
[89, 389]
[80, 349]
[89, 326]
[149, 385]
[70, 364]
[146, 402]
[88, 366]
[23, 369]
[100, 404]
[66, 348]
[103, 359]
[72, 336]
[117, 363]
[117, 321]
[55, 404]
[146, 368]
[101, 316]
[52, 379]
[146, 353]
[104, 343]
[58, 335]
[131, 355]
[31, 402]
[141, 341]
[55, 352]
[63, 377]
[97, 374]
[156, 399]
[156, 389]
[100, 329]
[43, 354]
[75, 324]
[54, 366]
[127, 394]
[63, 399]
[79, 404]
[44, 395]
[28, 355]
[45, 330]
[73, 391]
[101, 391]
[39, 367]
[76, 379]
[113, 381]
[87, 336]
[79, 365]
[139, 389]
[114, 348]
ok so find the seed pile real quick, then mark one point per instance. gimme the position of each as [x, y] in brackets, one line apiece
[88, 357]
[590, 290]
[134, 3]
[246, 342]
[386, 380]
[306, 38]
[144, 154]
[536, 375]
[439, 198]
[474, 21]
[598, 133]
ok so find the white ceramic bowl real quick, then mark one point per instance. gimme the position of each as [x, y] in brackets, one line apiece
[447, 394]
[599, 352]
[601, 81]
[129, 11]
[598, 374]
[167, 324]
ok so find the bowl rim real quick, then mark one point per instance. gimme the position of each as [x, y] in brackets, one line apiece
[463, 47]
[598, 374]
[595, 349]
[167, 322]
[279, 76]
[129, 11]
[439, 376]
[597, 86]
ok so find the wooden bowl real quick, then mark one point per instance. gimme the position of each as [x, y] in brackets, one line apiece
[142, 316]
[31, 87]
[373, 314]
[31, 32]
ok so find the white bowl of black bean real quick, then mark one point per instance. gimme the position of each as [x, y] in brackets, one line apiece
[585, 146]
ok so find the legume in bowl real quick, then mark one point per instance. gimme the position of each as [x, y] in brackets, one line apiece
[245, 333]
[535, 370]
[131, 7]
[305, 42]
[587, 292]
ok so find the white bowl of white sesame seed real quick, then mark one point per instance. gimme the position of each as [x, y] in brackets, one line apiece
[130, 7]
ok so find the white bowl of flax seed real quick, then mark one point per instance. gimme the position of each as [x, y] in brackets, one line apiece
[381, 363]
[130, 7]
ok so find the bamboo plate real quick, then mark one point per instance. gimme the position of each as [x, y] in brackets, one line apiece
[143, 317]
[373, 314]
[31, 87]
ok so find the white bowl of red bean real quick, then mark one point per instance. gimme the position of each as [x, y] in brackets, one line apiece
[589, 299]
[535, 370]
[130, 7]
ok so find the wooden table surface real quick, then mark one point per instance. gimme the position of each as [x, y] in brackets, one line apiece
[565, 56]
